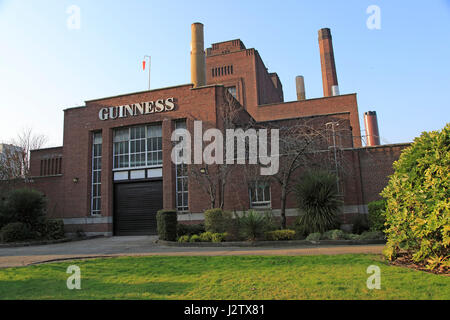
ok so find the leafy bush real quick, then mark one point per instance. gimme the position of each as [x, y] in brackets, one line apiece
[376, 215]
[206, 237]
[194, 238]
[218, 237]
[190, 229]
[51, 229]
[26, 206]
[16, 231]
[314, 236]
[217, 220]
[318, 198]
[360, 224]
[280, 235]
[351, 236]
[184, 238]
[334, 235]
[372, 235]
[252, 225]
[167, 224]
[418, 201]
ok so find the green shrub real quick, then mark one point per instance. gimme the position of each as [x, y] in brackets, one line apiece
[51, 229]
[184, 239]
[314, 236]
[167, 225]
[190, 229]
[360, 224]
[334, 235]
[372, 235]
[218, 237]
[318, 200]
[217, 220]
[280, 235]
[16, 231]
[195, 238]
[418, 201]
[26, 206]
[206, 237]
[351, 236]
[252, 225]
[376, 215]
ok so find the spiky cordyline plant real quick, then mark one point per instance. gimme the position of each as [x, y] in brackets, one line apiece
[318, 200]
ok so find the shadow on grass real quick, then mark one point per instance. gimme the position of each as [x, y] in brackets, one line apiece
[90, 289]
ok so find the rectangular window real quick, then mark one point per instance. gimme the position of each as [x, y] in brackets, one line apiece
[182, 190]
[232, 90]
[96, 205]
[259, 193]
[138, 147]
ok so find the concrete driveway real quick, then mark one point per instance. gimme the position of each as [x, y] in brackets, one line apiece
[145, 246]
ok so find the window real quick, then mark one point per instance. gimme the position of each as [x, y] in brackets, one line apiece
[96, 205]
[232, 90]
[138, 147]
[182, 190]
[260, 195]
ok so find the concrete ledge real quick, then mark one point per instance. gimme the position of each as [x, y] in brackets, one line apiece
[44, 242]
[271, 243]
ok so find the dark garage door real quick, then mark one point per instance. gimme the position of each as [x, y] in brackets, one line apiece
[135, 207]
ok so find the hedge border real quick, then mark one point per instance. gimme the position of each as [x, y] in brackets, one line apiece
[281, 243]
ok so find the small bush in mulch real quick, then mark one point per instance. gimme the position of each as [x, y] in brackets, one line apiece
[406, 260]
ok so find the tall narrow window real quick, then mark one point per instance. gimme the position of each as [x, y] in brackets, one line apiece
[96, 205]
[232, 90]
[121, 148]
[260, 195]
[181, 178]
[154, 145]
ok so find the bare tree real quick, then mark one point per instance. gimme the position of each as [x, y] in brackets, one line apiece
[15, 159]
[300, 146]
[213, 178]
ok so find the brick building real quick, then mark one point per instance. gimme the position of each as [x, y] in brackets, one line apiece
[114, 170]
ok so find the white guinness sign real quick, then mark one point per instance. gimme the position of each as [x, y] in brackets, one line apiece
[137, 109]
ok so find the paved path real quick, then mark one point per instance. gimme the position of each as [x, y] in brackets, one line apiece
[146, 246]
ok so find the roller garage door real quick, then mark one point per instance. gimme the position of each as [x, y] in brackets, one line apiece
[135, 208]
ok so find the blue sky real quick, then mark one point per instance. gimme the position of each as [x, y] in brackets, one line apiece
[402, 70]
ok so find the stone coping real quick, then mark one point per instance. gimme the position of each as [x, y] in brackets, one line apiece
[280, 243]
[44, 242]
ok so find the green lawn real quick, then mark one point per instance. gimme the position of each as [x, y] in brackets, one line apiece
[232, 277]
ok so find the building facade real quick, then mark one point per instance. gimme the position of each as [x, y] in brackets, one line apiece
[115, 169]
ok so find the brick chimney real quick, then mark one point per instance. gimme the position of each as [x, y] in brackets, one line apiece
[329, 77]
[198, 60]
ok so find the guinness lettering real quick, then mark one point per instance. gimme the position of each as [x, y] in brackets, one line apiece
[137, 109]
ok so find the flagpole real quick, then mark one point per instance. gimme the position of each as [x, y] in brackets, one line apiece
[149, 68]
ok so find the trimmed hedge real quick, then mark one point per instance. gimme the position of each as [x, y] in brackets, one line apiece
[51, 229]
[190, 229]
[167, 221]
[217, 220]
[280, 235]
[376, 215]
[16, 231]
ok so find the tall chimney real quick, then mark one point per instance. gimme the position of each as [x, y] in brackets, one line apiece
[329, 77]
[198, 62]
[300, 85]
[371, 124]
